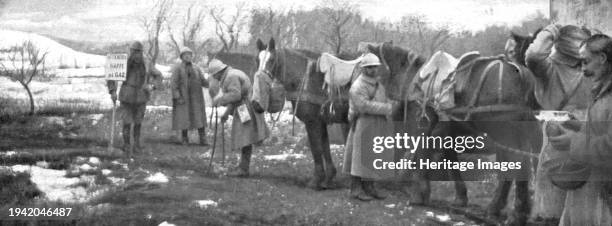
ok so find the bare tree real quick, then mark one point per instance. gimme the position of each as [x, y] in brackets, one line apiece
[429, 40]
[27, 61]
[154, 25]
[191, 33]
[228, 27]
[338, 14]
[275, 24]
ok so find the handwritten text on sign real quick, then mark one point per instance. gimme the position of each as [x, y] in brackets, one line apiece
[116, 67]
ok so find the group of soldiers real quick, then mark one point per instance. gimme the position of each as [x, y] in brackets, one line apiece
[573, 71]
[188, 107]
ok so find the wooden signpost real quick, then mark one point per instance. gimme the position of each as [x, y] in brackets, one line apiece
[115, 70]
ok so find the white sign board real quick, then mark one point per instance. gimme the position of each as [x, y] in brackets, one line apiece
[116, 67]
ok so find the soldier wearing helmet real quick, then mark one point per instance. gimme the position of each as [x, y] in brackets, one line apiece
[369, 115]
[135, 92]
[188, 108]
[235, 92]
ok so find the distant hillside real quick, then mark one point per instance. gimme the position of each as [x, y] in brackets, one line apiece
[91, 47]
[59, 55]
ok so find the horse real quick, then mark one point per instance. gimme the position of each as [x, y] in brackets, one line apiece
[297, 71]
[495, 97]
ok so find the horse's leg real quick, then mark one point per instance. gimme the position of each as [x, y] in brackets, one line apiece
[461, 198]
[314, 128]
[330, 169]
[522, 207]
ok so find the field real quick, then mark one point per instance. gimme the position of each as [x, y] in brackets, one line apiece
[59, 158]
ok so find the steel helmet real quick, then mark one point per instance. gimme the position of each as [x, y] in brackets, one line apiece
[370, 60]
[185, 49]
[136, 45]
[215, 66]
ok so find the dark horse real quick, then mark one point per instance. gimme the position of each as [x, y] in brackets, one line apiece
[494, 96]
[297, 71]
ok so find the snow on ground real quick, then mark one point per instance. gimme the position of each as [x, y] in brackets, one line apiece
[284, 157]
[157, 178]
[55, 185]
[206, 203]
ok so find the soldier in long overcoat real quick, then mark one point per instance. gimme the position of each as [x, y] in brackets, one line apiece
[134, 94]
[369, 116]
[554, 60]
[235, 93]
[188, 107]
[592, 145]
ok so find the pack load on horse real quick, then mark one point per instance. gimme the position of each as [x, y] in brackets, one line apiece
[492, 96]
[339, 75]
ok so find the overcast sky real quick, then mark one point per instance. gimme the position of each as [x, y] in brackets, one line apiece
[115, 20]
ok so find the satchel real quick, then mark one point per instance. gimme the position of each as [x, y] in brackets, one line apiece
[243, 113]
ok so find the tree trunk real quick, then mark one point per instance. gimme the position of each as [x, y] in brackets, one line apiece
[25, 86]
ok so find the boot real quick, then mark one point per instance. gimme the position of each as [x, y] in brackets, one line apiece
[126, 137]
[184, 137]
[245, 160]
[370, 189]
[202, 133]
[357, 191]
[137, 147]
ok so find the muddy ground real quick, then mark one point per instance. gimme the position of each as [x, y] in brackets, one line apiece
[169, 183]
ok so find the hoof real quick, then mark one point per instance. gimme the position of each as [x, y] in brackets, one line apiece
[329, 178]
[460, 202]
[516, 220]
[315, 184]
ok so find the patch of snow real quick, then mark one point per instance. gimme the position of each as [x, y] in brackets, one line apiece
[106, 172]
[165, 223]
[80, 159]
[55, 186]
[206, 203]
[157, 178]
[95, 118]
[159, 108]
[429, 214]
[116, 181]
[390, 206]
[443, 217]
[86, 168]
[42, 164]
[284, 157]
[94, 160]
[55, 120]
[8, 153]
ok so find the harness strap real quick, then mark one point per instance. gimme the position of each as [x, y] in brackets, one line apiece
[476, 95]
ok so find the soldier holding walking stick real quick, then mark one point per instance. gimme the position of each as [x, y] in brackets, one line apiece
[248, 127]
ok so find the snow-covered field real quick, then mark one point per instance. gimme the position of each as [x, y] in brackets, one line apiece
[58, 55]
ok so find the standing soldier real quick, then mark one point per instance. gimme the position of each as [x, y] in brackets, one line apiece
[554, 60]
[591, 147]
[188, 109]
[134, 94]
[235, 91]
[369, 116]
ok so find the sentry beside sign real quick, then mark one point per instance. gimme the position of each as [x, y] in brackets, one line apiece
[116, 67]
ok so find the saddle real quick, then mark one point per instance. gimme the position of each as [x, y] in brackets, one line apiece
[435, 81]
[337, 72]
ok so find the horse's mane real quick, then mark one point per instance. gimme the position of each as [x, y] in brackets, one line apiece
[308, 53]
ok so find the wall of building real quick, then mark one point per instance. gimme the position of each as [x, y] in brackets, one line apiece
[590, 13]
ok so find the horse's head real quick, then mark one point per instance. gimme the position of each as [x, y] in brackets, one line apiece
[399, 66]
[517, 45]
